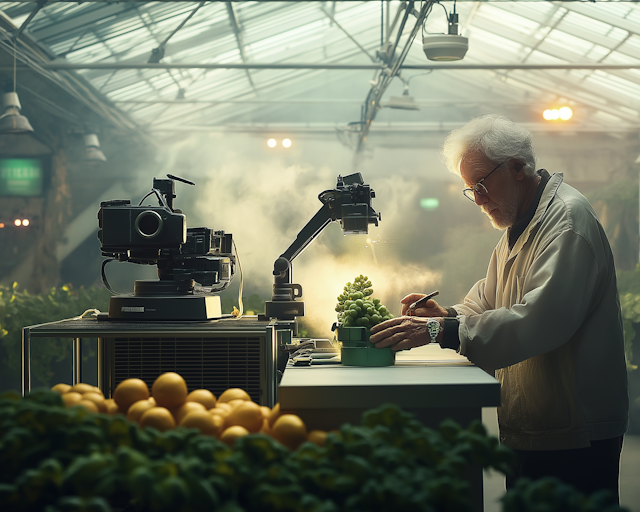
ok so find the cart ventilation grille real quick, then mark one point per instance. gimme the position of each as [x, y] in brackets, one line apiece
[205, 363]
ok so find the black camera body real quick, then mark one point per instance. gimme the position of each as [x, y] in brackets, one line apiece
[192, 263]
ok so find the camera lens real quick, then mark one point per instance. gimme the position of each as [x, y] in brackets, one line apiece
[149, 224]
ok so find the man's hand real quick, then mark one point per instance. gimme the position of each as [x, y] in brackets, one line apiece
[402, 333]
[429, 308]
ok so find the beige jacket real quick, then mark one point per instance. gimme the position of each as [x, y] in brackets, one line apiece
[547, 320]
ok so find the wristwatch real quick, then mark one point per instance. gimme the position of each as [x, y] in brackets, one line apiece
[433, 328]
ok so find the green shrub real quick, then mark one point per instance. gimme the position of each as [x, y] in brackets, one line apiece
[19, 309]
[58, 460]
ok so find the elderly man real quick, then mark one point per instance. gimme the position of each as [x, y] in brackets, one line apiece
[546, 318]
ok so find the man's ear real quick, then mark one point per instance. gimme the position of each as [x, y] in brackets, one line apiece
[519, 166]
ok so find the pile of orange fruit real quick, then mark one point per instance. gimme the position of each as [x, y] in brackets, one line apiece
[169, 404]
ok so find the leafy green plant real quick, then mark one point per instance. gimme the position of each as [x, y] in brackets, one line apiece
[21, 308]
[356, 307]
[71, 460]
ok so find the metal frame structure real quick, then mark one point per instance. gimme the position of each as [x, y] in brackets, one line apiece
[253, 63]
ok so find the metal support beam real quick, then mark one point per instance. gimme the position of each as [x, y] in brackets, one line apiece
[334, 67]
[237, 31]
[30, 17]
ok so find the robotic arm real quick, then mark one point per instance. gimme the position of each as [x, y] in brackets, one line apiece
[349, 203]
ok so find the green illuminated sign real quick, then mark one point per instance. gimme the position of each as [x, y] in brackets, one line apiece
[429, 203]
[20, 177]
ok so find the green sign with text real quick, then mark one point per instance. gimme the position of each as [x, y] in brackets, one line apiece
[21, 177]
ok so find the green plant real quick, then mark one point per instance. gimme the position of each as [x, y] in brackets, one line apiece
[21, 308]
[58, 459]
[356, 307]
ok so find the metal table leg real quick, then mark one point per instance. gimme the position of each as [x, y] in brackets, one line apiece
[26, 361]
[77, 361]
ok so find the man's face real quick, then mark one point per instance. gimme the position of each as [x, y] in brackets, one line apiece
[503, 196]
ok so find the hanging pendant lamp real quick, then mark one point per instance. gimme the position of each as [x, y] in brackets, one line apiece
[12, 121]
[93, 151]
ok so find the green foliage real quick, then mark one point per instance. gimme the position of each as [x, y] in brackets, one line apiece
[58, 460]
[253, 303]
[19, 309]
[356, 307]
[550, 494]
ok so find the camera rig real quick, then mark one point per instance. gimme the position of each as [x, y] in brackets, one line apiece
[193, 263]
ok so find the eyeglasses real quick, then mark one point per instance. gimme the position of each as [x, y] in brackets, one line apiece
[479, 188]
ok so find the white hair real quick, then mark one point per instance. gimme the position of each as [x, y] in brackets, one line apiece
[496, 137]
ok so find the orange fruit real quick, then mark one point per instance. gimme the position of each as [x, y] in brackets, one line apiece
[204, 422]
[159, 418]
[290, 430]
[217, 411]
[230, 434]
[87, 404]
[265, 411]
[138, 408]
[226, 408]
[98, 399]
[265, 429]
[186, 408]
[112, 406]
[202, 396]
[236, 402]
[82, 388]
[233, 394]
[317, 436]
[96, 389]
[169, 390]
[61, 388]
[71, 398]
[152, 400]
[247, 415]
[130, 391]
[274, 414]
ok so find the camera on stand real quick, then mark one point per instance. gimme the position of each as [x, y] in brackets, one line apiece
[194, 264]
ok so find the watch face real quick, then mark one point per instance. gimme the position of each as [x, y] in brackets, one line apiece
[434, 327]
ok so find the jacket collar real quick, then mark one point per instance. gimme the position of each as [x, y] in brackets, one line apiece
[550, 191]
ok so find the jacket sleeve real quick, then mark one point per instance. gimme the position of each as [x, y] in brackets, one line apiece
[557, 294]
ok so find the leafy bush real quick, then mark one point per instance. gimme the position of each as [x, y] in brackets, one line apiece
[71, 460]
[20, 308]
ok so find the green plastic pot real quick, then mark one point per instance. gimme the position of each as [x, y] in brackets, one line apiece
[357, 350]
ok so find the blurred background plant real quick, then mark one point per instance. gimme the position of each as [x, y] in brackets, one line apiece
[19, 308]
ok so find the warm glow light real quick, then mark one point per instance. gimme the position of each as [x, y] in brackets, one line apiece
[368, 240]
[554, 114]
[271, 143]
[17, 222]
[286, 143]
[565, 113]
[25, 222]
[1, 225]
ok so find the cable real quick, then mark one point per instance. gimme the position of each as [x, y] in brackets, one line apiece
[104, 276]
[241, 312]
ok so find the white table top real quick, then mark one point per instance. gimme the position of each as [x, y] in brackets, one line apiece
[423, 377]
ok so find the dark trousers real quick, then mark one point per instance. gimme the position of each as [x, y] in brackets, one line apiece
[587, 469]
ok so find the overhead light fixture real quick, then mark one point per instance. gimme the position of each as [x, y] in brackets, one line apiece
[272, 143]
[286, 143]
[558, 114]
[446, 47]
[12, 121]
[404, 102]
[93, 152]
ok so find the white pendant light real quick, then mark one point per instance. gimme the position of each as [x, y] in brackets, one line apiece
[93, 152]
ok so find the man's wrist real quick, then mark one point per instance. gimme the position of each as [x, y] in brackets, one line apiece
[451, 312]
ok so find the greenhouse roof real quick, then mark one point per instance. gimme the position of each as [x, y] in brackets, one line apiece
[309, 66]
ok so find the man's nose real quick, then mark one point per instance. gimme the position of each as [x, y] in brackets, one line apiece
[480, 199]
